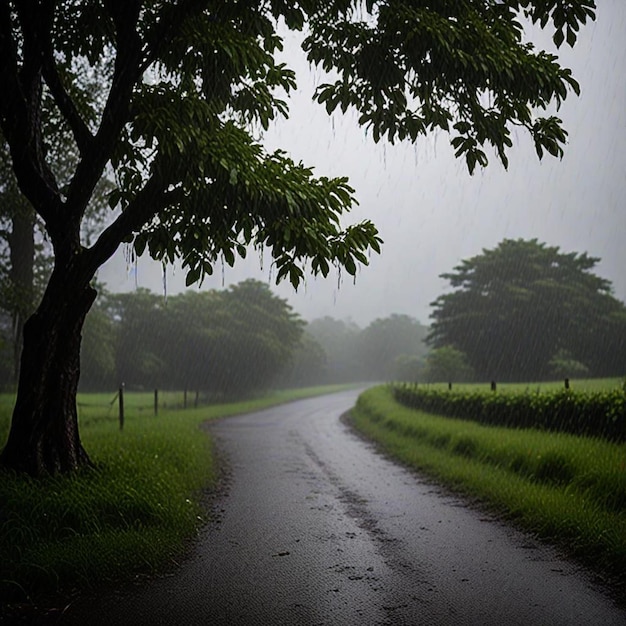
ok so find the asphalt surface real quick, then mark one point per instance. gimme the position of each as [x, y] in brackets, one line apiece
[316, 527]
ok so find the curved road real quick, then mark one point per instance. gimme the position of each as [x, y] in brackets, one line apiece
[316, 527]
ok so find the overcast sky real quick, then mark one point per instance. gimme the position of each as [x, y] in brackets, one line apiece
[431, 213]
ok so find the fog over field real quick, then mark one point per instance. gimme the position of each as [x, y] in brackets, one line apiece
[430, 212]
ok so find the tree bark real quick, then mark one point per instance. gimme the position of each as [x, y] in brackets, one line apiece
[21, 274]
[44, 435]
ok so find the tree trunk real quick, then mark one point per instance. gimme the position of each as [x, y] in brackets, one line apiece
[44, 435]
[21, 275]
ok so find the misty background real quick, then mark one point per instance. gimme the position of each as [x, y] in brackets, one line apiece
[430, 212]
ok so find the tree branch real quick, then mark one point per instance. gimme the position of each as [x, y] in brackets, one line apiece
[80, 130]
[152, 199]
[20, 108]
[116, 112]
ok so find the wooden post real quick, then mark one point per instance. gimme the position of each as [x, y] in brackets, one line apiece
[449, 386]
[185, 398]
[195, 402]
[567, 383]
[493, 385]
[121, 404]
[156, 402]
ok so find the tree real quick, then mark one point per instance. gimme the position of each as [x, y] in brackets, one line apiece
[187, 85]
[98, 348]
[227, 343]
[25, 264]
[562, 365]
[255, 340]
[308, 365]
[447, 364]
[6, 351]
[140, 331]
[408, 368]
[384, 340]
[339, 340]
[516, 308]
[230, 343]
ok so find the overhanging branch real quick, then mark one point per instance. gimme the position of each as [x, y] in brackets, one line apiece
[80, 130]
[152, 199]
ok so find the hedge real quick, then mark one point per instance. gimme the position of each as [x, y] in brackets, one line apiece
[589, 413]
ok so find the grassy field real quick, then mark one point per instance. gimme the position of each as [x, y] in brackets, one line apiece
[568, 489]
[130, 515]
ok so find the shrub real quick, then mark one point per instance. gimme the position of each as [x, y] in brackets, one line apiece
[591, 413]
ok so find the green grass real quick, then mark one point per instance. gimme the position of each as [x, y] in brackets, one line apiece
[132, 514]
[568, 489]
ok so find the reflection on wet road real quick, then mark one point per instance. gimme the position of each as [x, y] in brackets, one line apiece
[317, 528]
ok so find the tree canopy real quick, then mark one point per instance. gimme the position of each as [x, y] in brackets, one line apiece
[447, 364]
[185, 89]
[387, 339]
[227, 343]
[516, 310]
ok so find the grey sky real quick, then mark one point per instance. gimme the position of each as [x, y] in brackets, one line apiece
[431, 213]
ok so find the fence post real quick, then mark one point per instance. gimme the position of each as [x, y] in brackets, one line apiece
[195, 402]
[185, 398]
[156, 402]
[449, 386]
[493, 385]
[121, 405]
[567, 383]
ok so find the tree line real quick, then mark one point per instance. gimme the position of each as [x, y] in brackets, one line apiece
[224, 343]
[523, 311]
[232, 343]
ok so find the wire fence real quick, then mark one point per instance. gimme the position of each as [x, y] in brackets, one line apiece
[123, 401]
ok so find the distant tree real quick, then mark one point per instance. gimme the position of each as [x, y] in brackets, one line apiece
[98, 349]
[447, 365]
[385, 339]
[6, 352]
[340, 341]
[255, 339]
[409, 368]
[185, 339]
[563, 365]
[516, 307]
[228, 343]
[309, 364]
[139, 328]
[187, 86]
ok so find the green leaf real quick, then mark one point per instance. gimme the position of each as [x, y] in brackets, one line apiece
[193, 276]
[140, 243]
[558, 38]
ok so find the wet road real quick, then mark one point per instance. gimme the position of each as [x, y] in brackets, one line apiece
[318, 528]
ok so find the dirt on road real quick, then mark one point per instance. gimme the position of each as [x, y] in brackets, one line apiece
[316, 527]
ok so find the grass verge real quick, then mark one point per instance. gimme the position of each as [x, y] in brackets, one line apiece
[567, 489]
[131, 514]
